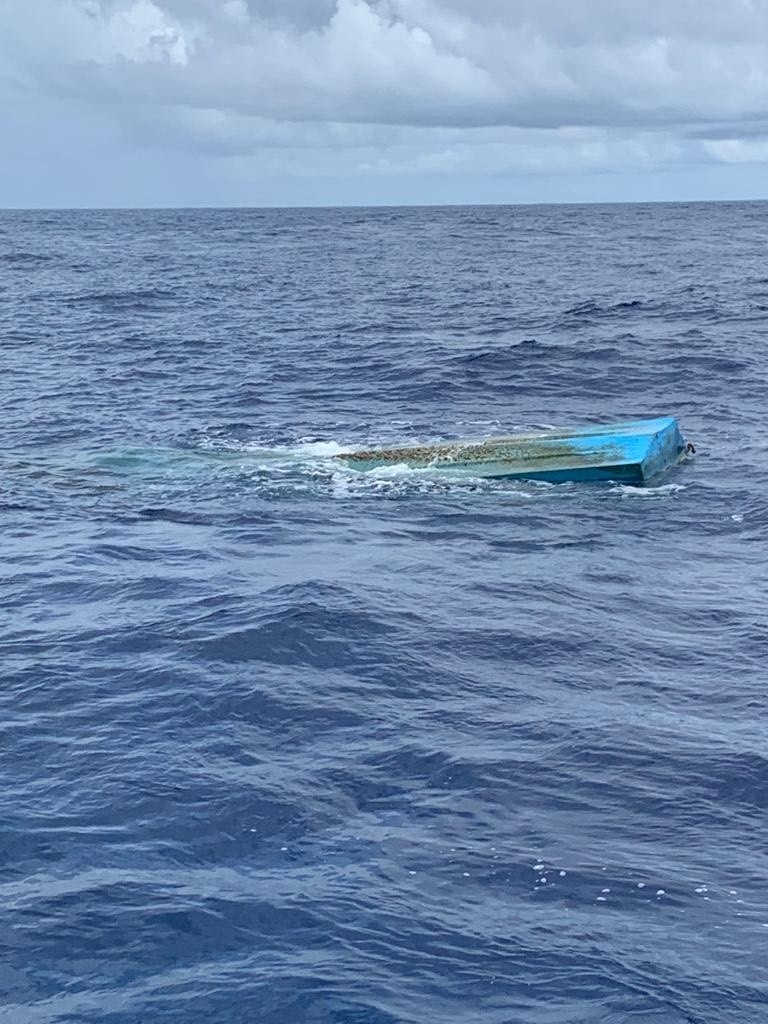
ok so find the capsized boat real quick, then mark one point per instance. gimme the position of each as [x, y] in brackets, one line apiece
[626, 452]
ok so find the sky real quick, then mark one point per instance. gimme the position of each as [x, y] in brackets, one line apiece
[120, 103]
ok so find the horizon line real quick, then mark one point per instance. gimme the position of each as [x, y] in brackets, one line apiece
[379, 206]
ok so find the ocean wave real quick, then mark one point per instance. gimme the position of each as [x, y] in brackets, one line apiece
[288, 741]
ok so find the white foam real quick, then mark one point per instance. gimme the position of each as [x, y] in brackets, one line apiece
[300, 450]
[629, 490]
[320, 449]
[399, 469]
[340, 485]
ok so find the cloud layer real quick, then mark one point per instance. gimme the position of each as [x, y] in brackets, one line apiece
[409, 86]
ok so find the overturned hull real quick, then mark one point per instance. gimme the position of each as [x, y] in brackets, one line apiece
[628, 452]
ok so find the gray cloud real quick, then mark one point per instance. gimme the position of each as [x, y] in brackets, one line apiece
[404, 85]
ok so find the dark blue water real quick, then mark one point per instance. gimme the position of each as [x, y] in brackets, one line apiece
[286, 744]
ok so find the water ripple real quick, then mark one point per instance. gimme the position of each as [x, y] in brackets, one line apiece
[288, 742]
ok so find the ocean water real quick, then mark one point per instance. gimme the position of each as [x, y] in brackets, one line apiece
[283, 743]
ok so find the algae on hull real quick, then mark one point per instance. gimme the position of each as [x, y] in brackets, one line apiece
[507, 450]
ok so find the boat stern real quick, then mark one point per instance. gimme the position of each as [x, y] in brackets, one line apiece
[664, 450]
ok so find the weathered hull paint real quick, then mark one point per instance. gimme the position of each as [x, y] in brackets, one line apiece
[628, 452]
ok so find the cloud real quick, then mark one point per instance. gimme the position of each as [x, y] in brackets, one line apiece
[738, 151]
[605, 81]
[522, 152]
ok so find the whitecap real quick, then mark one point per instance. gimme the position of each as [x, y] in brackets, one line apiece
[630, 490]
[319, 449]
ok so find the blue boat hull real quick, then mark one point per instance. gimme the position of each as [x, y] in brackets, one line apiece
[627, 452]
